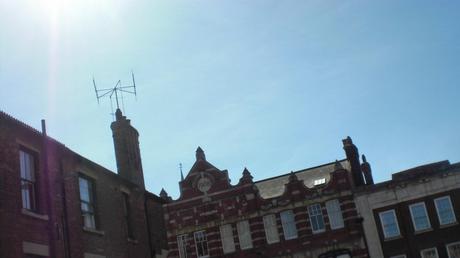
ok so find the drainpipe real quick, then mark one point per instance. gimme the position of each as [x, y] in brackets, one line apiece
[65, 222]
[152, 250]
[49, 200]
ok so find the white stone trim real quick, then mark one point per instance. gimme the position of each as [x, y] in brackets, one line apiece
[35, 249]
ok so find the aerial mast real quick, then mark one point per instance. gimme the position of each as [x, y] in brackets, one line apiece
[116, 92]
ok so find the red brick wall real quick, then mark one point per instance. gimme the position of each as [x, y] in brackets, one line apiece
[241, 202]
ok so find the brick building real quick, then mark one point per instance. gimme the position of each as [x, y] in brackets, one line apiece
[307, 213]
[56, 203]
[415, 214]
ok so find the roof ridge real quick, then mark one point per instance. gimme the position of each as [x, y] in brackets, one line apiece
[298, 171]
[26, 126]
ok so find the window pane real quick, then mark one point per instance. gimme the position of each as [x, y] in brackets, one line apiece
[87, 202]
[88, 220]
[244, 234]
[389, 224]
[226, 235]
[335, 214]
[182, 246]
[454, 250]
[445, 211]
[316, 218]
[289, 226]
[27, 172]
[271, 229]
[419, 216]
[429, 253]
[201, 244]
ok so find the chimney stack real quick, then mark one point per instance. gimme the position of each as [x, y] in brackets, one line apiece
[127, 152]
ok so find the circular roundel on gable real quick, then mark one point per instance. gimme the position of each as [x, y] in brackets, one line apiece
[204, 184]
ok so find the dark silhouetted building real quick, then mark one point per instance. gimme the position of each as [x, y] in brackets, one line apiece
[56, 203]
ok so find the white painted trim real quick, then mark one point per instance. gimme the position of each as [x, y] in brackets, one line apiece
[429, 249]
[451, 208]
[196, 246]
[447, 247]
[35, 249]
[271, 238]
[90, 255]
[413, 219]
[396, 220]
[322, 216]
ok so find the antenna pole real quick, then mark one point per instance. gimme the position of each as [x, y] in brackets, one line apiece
[95, 90]
[134, 84]
[118, 89]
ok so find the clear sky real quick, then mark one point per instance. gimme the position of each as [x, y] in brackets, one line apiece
[267, 84]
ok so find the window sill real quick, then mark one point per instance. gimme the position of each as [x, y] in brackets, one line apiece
[132, 241]
[34, 214]
[418, 232]
[392, 238]
[318, 231]
[94, 231]
[448, 225]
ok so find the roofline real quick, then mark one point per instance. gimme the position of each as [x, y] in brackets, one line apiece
[99, 167]
[27, 127]
[395, 181]
[298, 171]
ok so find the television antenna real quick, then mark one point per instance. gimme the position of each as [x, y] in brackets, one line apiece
[116, 93]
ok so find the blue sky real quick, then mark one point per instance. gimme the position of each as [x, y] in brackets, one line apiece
[271, 85]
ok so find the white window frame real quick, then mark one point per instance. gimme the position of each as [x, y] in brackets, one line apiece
[334, 213]
[447, 248]
[319, 181]
[28, 174]
[182, 245]
[317, 213]
[451, 209]
[271, 229]
[289, 224]
[429, 249]
[226, 236]
[244, 234]
[88, 207]
[399, 256]
[383, 226]
[413, 218]
[203, 240]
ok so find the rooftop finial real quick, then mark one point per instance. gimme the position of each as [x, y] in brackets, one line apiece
[200, 154]
[292, 177]
[163, 193]
[247, 177]
[347, 141]
[337, 165]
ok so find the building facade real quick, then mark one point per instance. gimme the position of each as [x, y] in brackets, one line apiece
[415, 214]
[56, 203]
[307, 213]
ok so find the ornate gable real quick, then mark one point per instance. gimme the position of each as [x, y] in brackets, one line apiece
[203, 178]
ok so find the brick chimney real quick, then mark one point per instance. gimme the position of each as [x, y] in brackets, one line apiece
[127, 152]
[352, 154]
